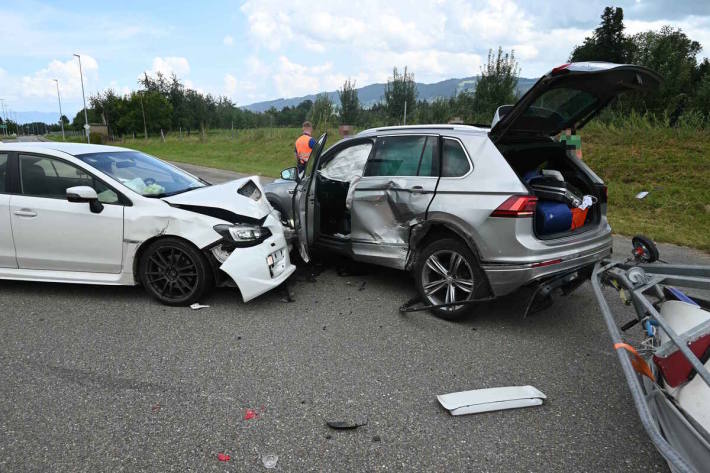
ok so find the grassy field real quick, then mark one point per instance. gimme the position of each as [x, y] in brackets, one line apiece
[672, 165]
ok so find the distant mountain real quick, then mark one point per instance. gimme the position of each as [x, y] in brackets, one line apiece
[371, 94]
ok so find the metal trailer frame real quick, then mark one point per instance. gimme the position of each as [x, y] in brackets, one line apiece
[684, 444]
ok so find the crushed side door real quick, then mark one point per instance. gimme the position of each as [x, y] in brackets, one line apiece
[393, 195]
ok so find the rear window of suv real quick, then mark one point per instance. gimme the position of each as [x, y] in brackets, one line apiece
[454, 160]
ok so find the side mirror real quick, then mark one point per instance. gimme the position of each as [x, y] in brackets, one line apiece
[86, 194]
[289, 174]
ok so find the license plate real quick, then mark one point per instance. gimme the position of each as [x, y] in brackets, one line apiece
[276, 262]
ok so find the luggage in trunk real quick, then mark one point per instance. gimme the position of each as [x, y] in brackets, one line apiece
[550, 185]
[552, 217]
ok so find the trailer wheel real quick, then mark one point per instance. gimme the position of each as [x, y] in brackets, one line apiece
[645, 250]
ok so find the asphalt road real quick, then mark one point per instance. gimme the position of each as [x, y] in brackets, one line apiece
[105, 379]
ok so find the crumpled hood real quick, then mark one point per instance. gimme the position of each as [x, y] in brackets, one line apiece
[224, 197]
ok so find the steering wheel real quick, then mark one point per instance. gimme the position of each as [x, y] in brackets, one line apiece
[149, 181]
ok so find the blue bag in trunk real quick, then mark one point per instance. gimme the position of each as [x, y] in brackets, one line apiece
[552, 217]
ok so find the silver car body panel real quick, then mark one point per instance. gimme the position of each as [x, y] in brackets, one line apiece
[390, 215]
[389, 219]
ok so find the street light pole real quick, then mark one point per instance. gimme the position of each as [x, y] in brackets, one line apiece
[86, 115]
[61, 122]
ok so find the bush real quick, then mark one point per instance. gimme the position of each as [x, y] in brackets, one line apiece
[96, 138]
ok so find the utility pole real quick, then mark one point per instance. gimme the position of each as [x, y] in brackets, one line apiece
[405, 110]
[61, 122]
[145, 127]
[86, 115]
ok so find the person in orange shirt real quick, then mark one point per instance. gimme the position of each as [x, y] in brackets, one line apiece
[304, 145]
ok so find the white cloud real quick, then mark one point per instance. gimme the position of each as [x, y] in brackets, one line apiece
[230, 84]
[40, 84]
[296, 79]
[228, 41]
[170, 65]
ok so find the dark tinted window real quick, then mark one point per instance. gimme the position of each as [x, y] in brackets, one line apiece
[430, 157]
[560, 104]
[3, 171]
[41, 176]
[396, 156]
[454, 160]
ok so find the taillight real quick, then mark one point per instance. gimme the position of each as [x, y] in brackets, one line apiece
[516, 206]
[562, 68]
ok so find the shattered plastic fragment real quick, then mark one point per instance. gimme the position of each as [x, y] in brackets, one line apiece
[641, 194]
[269, 460]
[250, 414]
[198, 306]
[346, 424]
[223, 457]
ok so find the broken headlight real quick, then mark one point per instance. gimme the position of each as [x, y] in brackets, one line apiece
[243, 234]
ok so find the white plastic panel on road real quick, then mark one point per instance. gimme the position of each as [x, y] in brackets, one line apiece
[491, 399]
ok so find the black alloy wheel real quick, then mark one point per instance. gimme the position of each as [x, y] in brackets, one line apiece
[174, 272]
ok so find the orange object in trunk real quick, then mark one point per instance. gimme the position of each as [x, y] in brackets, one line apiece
[578, 217]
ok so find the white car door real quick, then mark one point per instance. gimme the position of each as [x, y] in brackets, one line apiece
[52, 233]
[7, 247]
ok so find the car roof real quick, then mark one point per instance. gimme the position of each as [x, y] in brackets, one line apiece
[433, 128]
[69, 148]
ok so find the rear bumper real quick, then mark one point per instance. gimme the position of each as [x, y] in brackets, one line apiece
[506, 278]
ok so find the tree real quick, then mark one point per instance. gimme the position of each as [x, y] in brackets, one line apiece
[400, 90]
[349, 103]
[322, 111]
[608, 42]
[671, 54]
[64, 120]
[497, 84]
[702, 97]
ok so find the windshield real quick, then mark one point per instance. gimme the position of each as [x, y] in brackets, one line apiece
[142, 173]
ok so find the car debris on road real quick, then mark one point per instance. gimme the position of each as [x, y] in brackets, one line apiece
[491, 399]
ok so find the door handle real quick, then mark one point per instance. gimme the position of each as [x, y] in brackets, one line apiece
[291, 191]
[417, 190]
[25, 213]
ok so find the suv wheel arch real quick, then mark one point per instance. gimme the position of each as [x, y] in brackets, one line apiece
[424, 233]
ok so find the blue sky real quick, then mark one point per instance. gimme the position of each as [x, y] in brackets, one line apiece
[259, 50]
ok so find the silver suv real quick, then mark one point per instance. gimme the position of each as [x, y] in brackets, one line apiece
[474, 212]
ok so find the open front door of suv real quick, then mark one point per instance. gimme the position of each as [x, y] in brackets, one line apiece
[303, 200]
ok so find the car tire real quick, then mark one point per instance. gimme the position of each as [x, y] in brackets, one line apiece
[441, 265]
[174, 272]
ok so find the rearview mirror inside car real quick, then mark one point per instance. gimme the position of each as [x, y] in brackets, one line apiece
[86, 194]
[289, 174]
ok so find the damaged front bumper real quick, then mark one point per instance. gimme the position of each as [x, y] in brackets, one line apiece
[260, 268]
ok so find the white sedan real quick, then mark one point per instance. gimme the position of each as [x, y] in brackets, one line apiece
[90, 214]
